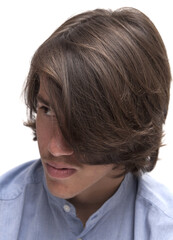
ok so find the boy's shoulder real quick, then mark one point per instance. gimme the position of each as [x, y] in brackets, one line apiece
[155, 194]
[13, 183]
[153, 210]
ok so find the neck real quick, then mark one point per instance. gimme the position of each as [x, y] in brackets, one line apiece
[90, 201]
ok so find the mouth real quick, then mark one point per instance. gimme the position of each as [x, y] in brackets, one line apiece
[59, 171]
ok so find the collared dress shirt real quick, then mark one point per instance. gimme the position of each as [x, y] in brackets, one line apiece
[141, 209]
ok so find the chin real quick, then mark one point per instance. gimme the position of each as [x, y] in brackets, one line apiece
[59, 190]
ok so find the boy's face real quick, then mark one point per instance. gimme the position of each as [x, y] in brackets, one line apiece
[66, 177]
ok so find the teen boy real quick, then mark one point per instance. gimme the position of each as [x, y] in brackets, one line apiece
[98, 93]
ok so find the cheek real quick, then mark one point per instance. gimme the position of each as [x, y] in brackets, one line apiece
[43, 132]
[95, 173]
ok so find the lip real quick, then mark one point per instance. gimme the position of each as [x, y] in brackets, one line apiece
[59, 170]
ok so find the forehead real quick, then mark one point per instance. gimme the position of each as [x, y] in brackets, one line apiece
[43, 88]
[43, 84]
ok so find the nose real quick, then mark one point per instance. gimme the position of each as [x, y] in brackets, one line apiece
[58, 146]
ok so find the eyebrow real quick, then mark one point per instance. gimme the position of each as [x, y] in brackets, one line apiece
[42, 100]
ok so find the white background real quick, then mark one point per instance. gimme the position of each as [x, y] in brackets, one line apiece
[24, 25]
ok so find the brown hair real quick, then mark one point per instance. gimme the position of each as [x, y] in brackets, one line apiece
[108, 81]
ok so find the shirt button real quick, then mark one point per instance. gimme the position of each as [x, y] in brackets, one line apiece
[66, 208]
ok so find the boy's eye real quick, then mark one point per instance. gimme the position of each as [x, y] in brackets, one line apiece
[46, 110]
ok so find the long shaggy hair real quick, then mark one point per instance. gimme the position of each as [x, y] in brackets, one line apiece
[108, 81]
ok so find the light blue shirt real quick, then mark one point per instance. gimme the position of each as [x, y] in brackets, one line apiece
[141, 209]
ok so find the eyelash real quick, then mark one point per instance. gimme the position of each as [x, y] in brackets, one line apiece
[46, 110]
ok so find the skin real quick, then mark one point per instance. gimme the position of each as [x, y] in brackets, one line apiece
[91, 185]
